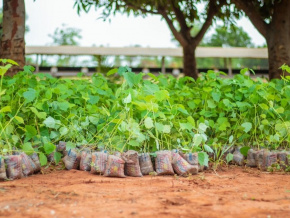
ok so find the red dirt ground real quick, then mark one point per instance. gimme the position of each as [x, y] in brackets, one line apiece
[235, 192]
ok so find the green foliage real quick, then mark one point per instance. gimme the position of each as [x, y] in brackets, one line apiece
[125, 111]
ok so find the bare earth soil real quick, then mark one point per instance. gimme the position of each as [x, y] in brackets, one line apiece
[234, 192]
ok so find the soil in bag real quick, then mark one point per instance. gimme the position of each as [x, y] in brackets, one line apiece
[27, 164]
[238, 158]
[163, 162]
[115, 167]
[2, 169]
[61, 147]
[146, 165]
[99, 162]
[72, 159]
[36, 167]
[283, 158]
[259, 155]
[86, 159]
[251, 162]
[14, 166]
[132, 167]
[182, 167]
[269, 158]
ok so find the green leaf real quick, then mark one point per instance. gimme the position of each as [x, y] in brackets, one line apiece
[112, 71]
[247, 126]
[229, 157]
[93, 99]
[40, 115]
[49, 122]
[29, 95]
[63, 131]
[244, 150]
[216, 96]
[162, 95]
[133, 143]
[5, 109]
[211, 104]
[64, 106]
[280, 110]
[166, 129]
[133, 79]
[191, 120]
[49, 147]
[159, 127]
[208, 148]
[27, 148]
[30, 131]
[42, 159]
[57, 157]
[231, 139]
[197, 139]
[19, 119]
[128, 99]
[202, 127]
[148, 122]
[203, 158]
[187, 126]
[264, 106]
[184, 111]
[70, 145]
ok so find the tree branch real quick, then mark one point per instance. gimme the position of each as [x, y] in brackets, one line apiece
[212, 11]
[249, 8]
[181, 20]
[178, 36]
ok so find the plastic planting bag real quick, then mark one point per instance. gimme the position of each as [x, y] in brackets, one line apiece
[50, 158]
[182, 167]
[61, 147]
[238, 158]
[86, 159]
[284, 159]
[191, 158]
[36, 167]
[145, 162]
[2, 169]
[99, 162]
[27, 164]
[251, 162]
[14, 166]
[132, 167]
[259, 156]
[72, 160]
[269, 159]
[115, 167]
[163, 163]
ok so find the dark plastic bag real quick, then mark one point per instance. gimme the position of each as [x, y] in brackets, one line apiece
[27, 164]
[182, 167]
[283, 158]
[238, 158]
[251, 161]
[259, 156]
[86, 159]
[191, 158]
[61, 147]
[163, 162]
[132, 167]
[99, 162]
[14, 166]
[145, 162]
[115, 167]
[2, 169]
[36, 167]
[269, 159]
[72, 160]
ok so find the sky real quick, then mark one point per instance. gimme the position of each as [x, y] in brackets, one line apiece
[44, 16]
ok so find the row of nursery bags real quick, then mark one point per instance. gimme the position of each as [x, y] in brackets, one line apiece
[18, 165]
[131, 163]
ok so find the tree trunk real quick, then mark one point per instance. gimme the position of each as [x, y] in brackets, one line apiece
[189, 62]
[278, 39]
[12, 43]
